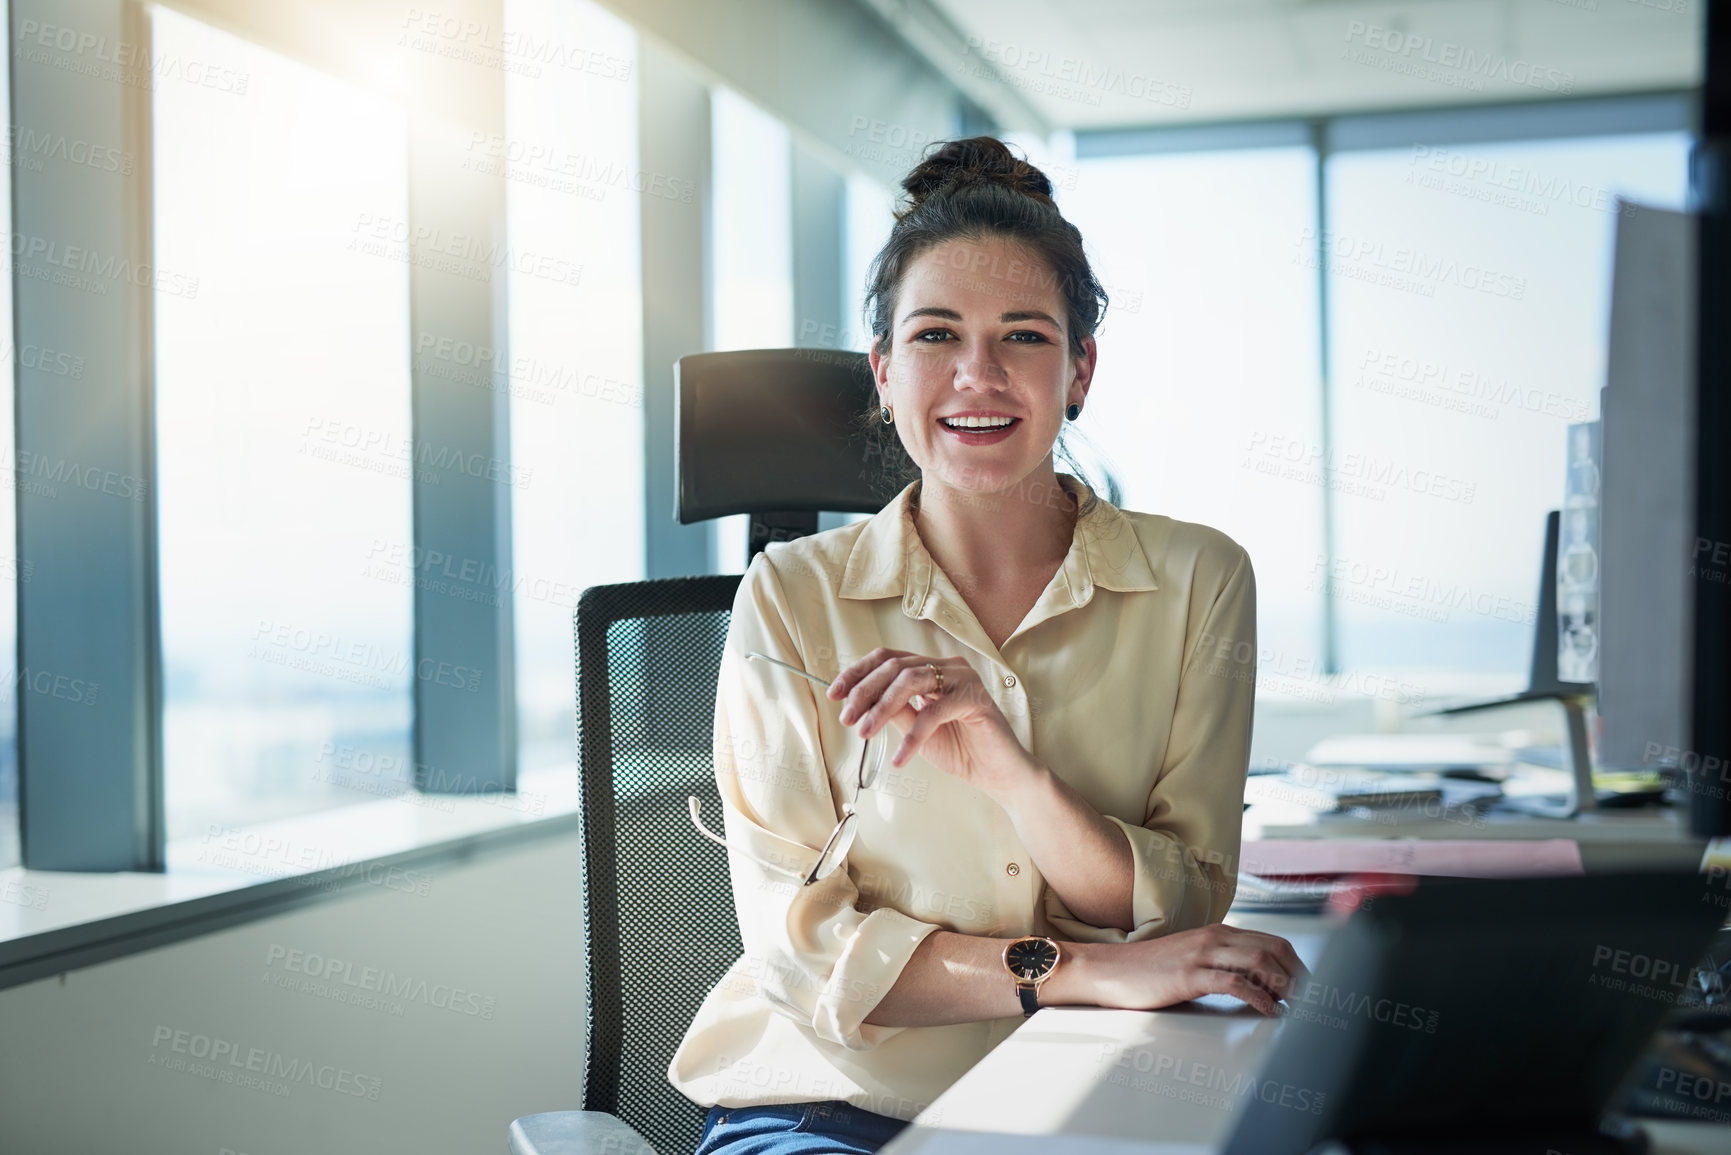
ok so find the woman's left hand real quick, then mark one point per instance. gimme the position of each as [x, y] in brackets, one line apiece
[959, 729]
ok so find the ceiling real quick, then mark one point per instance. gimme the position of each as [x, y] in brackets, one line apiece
[1089, 64]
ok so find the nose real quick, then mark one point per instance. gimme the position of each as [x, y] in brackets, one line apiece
[979, 370]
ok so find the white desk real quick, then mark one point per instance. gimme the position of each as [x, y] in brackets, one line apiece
[1137, 1083]
[1650, 838]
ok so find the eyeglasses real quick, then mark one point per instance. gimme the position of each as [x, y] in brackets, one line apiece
[835, 850]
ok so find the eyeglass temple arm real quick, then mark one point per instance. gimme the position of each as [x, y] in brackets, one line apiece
[792, 669]
[696, 808]
[859, 772]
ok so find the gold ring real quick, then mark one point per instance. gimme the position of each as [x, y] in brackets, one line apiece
[939, 675]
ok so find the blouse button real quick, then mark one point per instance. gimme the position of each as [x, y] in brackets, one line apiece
[1012, 870]
[1010, 681]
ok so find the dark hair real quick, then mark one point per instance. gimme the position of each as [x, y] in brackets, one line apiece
[971, 190]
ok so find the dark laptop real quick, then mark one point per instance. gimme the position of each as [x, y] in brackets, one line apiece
[1483, 1016]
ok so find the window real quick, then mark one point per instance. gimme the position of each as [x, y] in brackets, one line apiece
[570, 155]
[12, 569]
[1209, 352]
[283, 438]
[751, 287]
[870, 216]
[1470, 289]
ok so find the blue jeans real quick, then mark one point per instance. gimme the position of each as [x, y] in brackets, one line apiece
[828, 1128]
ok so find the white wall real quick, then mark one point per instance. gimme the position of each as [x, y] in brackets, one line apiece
[87, 1065]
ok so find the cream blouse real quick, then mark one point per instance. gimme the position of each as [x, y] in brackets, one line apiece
[1132, 678]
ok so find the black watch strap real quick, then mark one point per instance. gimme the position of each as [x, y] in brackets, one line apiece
[1030, 999]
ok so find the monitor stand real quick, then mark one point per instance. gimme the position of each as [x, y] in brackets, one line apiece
[1544, 685]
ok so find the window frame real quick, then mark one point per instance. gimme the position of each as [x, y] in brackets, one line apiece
[91, 774]
[1327, 136]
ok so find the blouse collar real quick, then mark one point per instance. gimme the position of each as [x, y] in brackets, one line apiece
[889, 559]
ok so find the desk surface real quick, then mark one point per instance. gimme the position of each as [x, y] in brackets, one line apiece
[1135, 1083]
[1609, 839]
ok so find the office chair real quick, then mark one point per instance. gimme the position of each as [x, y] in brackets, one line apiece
[773, 434]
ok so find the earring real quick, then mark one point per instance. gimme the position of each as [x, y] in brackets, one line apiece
[1073, 412]
[887, 414]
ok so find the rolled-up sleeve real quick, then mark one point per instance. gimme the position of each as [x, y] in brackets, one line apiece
[1184, 852]
[812, 954]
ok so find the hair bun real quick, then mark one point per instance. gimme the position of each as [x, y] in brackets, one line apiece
[979, 160]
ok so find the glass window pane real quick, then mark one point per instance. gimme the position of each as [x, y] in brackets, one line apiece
[1470, 294]
[1208, 355]
[576, 351]
[12, 568]
[751, 252]
[870, 216]
[283, 438]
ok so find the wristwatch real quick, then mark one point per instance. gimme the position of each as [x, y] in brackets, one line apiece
[1031, 961]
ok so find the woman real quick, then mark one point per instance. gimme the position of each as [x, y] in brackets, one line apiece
[1053, 682]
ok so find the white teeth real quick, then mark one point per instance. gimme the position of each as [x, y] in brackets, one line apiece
[977, 422]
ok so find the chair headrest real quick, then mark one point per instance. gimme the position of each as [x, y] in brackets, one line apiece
[775, 430]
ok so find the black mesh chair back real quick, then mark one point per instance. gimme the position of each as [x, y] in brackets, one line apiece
[658, 903]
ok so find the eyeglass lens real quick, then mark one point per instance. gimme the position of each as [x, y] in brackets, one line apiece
[835, 850]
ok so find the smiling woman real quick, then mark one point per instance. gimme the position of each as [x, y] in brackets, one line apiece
[1072, 732]
[981, 222]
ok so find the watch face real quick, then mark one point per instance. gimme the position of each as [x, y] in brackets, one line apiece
[1031, 958]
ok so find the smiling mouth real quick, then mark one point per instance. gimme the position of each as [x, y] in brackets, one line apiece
[982, 424]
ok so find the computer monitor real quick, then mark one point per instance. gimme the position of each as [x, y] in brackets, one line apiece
[1646, 495]
[1664, 686]
[1710, 696]
[1472, 1013]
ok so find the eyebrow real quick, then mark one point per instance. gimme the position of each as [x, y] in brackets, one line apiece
[952, 315]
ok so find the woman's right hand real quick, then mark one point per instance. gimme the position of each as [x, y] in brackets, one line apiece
[1260, 969]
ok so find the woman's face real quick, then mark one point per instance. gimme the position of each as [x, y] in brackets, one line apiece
[979, 368]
